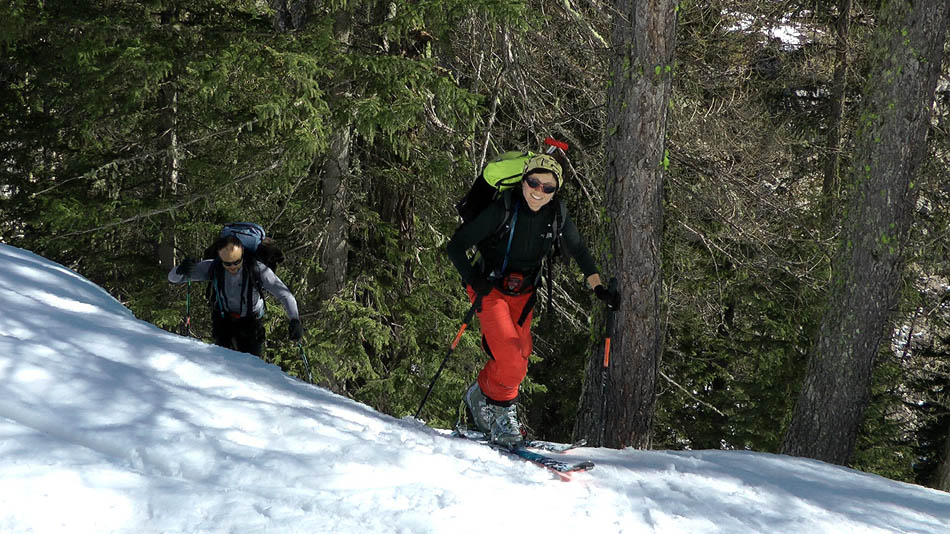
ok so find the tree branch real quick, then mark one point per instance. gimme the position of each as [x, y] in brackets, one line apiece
[584, 23]
[690, 395]
[116, 163]
[190, 200]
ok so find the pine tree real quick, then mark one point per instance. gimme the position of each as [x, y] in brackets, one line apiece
[890, 148]
[637, 102]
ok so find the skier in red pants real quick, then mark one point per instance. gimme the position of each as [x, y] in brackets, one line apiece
[513, 235]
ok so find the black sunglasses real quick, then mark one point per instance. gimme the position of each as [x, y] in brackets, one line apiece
[232, 263]
[534, 183]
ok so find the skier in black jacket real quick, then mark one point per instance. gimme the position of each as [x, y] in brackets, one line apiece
[505, 278]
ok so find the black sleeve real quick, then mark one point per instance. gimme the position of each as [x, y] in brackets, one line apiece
[469, 235]
[571, 239]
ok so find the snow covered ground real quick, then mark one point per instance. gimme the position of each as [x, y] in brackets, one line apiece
[109, 424]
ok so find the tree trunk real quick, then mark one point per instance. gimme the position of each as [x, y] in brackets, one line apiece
[334, 168]
[832, 183]
[290, 15]
[890, 146]
[642, 39]
[943, 472]
[169, 160]
[334, 246]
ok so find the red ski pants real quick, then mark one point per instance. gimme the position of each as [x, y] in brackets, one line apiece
[510, 344]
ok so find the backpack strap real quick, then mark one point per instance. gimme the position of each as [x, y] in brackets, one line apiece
[505, 227]
[557, 226]
[215, 291]
[255, 282]
[559, 222]
[528, 306]
[560, 215]
[511, 235]
[250, 280]
[247, 286]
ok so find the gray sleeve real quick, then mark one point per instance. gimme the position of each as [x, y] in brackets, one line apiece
[278, 289]
[201, 272]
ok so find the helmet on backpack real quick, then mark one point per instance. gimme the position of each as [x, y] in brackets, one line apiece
[543, 163]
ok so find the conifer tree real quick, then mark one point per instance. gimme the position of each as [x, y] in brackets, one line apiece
[890, 146]
[637, 101]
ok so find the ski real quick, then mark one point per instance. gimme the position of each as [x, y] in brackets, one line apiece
[547, 446]
[550, 446]
[560, 467]
[554, 464]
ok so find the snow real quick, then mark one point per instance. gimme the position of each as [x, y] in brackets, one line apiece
[786, 32]
[109, 424]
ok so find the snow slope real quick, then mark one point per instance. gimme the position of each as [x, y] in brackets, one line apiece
[109, 424]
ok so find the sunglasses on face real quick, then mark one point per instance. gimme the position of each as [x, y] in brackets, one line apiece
[534, 183]
[232, 263]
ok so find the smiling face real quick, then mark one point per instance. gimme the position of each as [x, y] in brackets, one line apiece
[533, 187]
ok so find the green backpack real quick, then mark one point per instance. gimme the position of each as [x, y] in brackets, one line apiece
[501, 174]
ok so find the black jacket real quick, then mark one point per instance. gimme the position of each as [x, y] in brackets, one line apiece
[532, 239]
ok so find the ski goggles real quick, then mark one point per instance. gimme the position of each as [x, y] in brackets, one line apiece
[534, 183]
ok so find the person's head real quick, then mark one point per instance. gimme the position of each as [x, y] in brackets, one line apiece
[231, 253]
[540, 181]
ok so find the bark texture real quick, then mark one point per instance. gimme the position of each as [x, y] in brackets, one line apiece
[890, 146]
[642, 44]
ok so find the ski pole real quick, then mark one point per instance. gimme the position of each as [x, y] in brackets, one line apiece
[612, 287]
[306, 362]
[455, 342]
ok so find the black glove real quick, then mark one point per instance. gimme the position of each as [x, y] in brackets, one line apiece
[611, 298]
[295, 331]
[481, 285]
[186, 267]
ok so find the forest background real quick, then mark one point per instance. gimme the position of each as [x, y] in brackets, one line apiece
[130, 131]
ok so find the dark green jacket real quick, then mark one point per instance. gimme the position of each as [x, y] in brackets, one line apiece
[532, 239]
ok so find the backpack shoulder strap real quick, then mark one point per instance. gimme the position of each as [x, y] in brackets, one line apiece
[560, 217]
[504, 230]
[254, 281]
[215, 290]
[505, 225]
[557, 227]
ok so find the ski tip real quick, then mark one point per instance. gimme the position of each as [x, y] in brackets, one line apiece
[583, 466]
